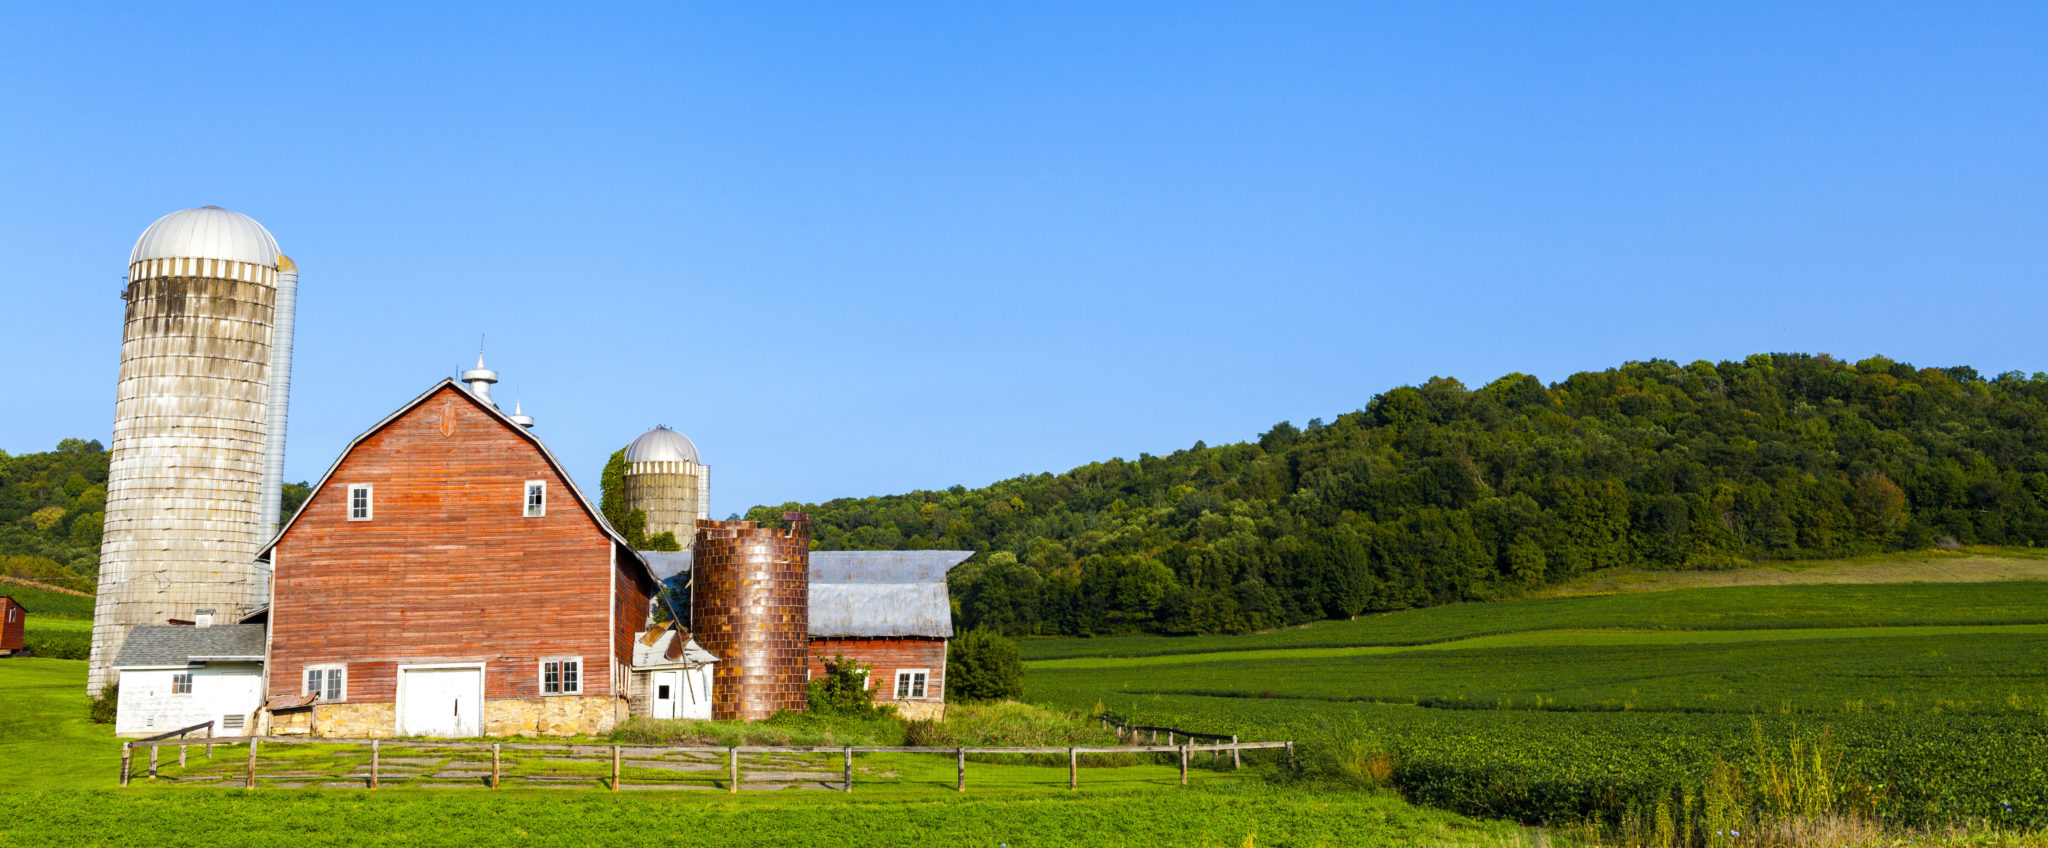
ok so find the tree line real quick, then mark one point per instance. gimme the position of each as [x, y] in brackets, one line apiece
[1439, 493]
[53, 508]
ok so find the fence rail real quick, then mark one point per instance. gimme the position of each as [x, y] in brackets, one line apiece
[157, 741]
[616, 753]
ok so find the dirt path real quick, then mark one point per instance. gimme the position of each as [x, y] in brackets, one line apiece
[1917, 567]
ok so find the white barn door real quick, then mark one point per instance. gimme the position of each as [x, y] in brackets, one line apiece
[668, 687]
[441, 701]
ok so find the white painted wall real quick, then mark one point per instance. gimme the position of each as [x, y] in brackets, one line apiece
[218, 689]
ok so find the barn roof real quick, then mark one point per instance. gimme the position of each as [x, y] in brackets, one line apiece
[657, 654]
[865, 593]
[17, 604]
[506, 420]
[178, 644]
[882, 593]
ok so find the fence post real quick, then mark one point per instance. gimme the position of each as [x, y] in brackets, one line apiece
[374, 752]
[960, 754]
[181, 756]
[733, 755]
[1073, 769]
[1235, 762]
[127, 761]
[1290, 754]
[495, 767]
[849, 769]
[152, 761]
[1184, 765]
[251, 783]
[615, 768]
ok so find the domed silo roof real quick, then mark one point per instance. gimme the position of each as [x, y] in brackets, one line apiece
[208, 232]
[662, 444]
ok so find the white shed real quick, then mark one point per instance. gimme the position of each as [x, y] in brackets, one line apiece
[175, 676]
[671, 676]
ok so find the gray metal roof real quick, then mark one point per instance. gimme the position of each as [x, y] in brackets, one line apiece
[865, 593]
[656, 655]
[882, 593]
[666, 564]
[177, 644]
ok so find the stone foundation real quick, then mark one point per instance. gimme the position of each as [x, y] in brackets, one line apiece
[918, 710]
[569, 715]
[564, 716]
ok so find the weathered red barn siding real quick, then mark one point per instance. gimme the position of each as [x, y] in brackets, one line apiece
[634, 593]
[886, 656]
[13, 634]
[448, 569]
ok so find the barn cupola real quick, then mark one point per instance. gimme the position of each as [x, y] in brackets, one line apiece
[520, 417]
[480, 380]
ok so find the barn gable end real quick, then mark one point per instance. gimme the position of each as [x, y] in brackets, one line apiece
[416, 572]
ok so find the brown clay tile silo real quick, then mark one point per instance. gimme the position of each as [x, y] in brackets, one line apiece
[750, 605]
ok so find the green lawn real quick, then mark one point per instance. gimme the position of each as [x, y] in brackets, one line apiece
[58, 777]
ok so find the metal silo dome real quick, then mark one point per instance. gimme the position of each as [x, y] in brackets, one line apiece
[662, 444]
[208, 232]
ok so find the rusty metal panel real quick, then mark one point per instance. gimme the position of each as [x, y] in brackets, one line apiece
[750, 606]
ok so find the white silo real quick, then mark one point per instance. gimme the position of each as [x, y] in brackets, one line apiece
[666, 479]
[187, 497]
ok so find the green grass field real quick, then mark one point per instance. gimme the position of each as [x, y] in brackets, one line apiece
[58, 776]
[1919, 703]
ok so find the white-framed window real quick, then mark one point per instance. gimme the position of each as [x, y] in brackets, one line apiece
[181, 683]
[360, 504]
[13, 615]
[329, 682]
[910, 682]
[536, 498]
[561, 676]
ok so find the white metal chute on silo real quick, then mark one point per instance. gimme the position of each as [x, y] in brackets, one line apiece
[279, 398]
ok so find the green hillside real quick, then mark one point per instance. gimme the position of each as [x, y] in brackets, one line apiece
[1439, 493]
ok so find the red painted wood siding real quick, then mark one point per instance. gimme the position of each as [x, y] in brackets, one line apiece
[448, 569]
[13, 634]
[886, 656]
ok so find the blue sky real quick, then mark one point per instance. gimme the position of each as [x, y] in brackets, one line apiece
[863, 249]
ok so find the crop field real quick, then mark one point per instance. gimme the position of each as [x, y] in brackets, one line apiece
[1921, 704]
[58, 776]
[59, 623]
[1698, 609]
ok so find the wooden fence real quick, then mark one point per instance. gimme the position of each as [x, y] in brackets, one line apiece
[732, 754]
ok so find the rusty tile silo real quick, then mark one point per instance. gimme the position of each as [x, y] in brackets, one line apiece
[750, 605]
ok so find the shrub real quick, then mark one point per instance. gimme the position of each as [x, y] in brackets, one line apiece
[107, 705]
[983, 666]
[843, 691]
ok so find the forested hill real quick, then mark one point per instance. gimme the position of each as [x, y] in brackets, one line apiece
[1439, 493]
[52, 508]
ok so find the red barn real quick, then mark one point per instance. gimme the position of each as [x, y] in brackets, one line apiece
[447, 578]
[888, 610]
[13, 626]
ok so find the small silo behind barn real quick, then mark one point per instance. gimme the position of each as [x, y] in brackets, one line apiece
[750, 606]
[666, 480]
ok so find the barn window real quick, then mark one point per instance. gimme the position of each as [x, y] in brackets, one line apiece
[910, 682]
[561, 676]
[181, 683]
[359, 504]
[536, 498]
[327, 682]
